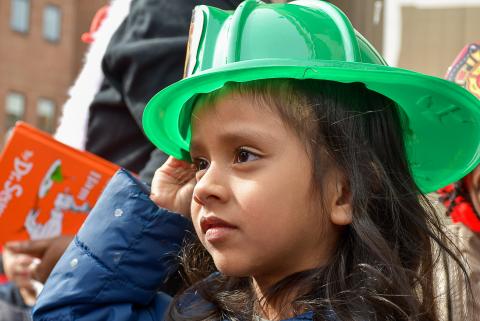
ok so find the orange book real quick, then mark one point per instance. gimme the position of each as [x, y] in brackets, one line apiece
[46, 188]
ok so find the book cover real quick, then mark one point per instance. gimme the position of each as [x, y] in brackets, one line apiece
[46, 188]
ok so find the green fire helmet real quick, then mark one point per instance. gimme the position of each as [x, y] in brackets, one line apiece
[312, 39]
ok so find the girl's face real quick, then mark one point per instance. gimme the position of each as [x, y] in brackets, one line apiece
[252, 205]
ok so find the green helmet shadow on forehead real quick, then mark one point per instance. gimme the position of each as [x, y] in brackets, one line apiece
[312, 39]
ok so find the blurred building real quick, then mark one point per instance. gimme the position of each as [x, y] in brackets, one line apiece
[421, 35]
[40, 56]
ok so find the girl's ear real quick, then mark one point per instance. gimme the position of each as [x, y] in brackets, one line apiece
[341, 213]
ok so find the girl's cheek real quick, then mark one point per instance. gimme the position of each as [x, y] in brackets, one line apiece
[195, 212]
[194, 208]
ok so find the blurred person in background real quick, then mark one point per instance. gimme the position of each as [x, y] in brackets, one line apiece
[461, 201]
[139, 47]
[19, 294]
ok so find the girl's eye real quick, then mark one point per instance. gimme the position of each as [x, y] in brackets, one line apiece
[244, 155]
[200, 164]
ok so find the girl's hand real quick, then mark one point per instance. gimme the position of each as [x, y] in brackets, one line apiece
[172, 186]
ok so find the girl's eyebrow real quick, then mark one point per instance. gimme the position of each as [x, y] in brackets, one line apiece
[245, 135]
[237, 135]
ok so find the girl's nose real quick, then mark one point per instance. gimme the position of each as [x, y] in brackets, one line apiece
[210, 187]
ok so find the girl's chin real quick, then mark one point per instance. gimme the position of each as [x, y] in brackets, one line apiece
[233, 270]
[232, 263]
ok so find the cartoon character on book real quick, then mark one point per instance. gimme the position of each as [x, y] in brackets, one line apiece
[64, 201]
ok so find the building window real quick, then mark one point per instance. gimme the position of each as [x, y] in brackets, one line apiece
[46, 115]
[20, 15]
[14, 109]
[52, 19]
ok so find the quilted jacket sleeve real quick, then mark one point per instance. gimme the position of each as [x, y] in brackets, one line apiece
[119, 261]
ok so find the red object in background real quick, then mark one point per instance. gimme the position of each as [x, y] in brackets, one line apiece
[97, 20]
[3, 277]
[460, 209]
[465, 214]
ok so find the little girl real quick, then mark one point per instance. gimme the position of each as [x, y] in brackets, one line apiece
[300, 158]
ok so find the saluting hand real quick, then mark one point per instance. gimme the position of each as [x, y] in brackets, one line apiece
[172, 186]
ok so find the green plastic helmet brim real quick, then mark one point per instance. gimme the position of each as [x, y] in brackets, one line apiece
[431, 106]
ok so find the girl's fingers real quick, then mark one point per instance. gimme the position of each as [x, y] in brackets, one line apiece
[177, 163]
[172, 186]
[176, 169]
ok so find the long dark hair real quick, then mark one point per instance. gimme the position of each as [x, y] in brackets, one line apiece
[383, 266]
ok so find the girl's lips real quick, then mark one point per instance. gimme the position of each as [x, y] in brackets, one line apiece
[218, 234]
[212, 222]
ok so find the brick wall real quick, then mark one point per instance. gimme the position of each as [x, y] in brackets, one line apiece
[36, 67]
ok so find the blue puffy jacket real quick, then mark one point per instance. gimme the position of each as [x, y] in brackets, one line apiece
[117, 264]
